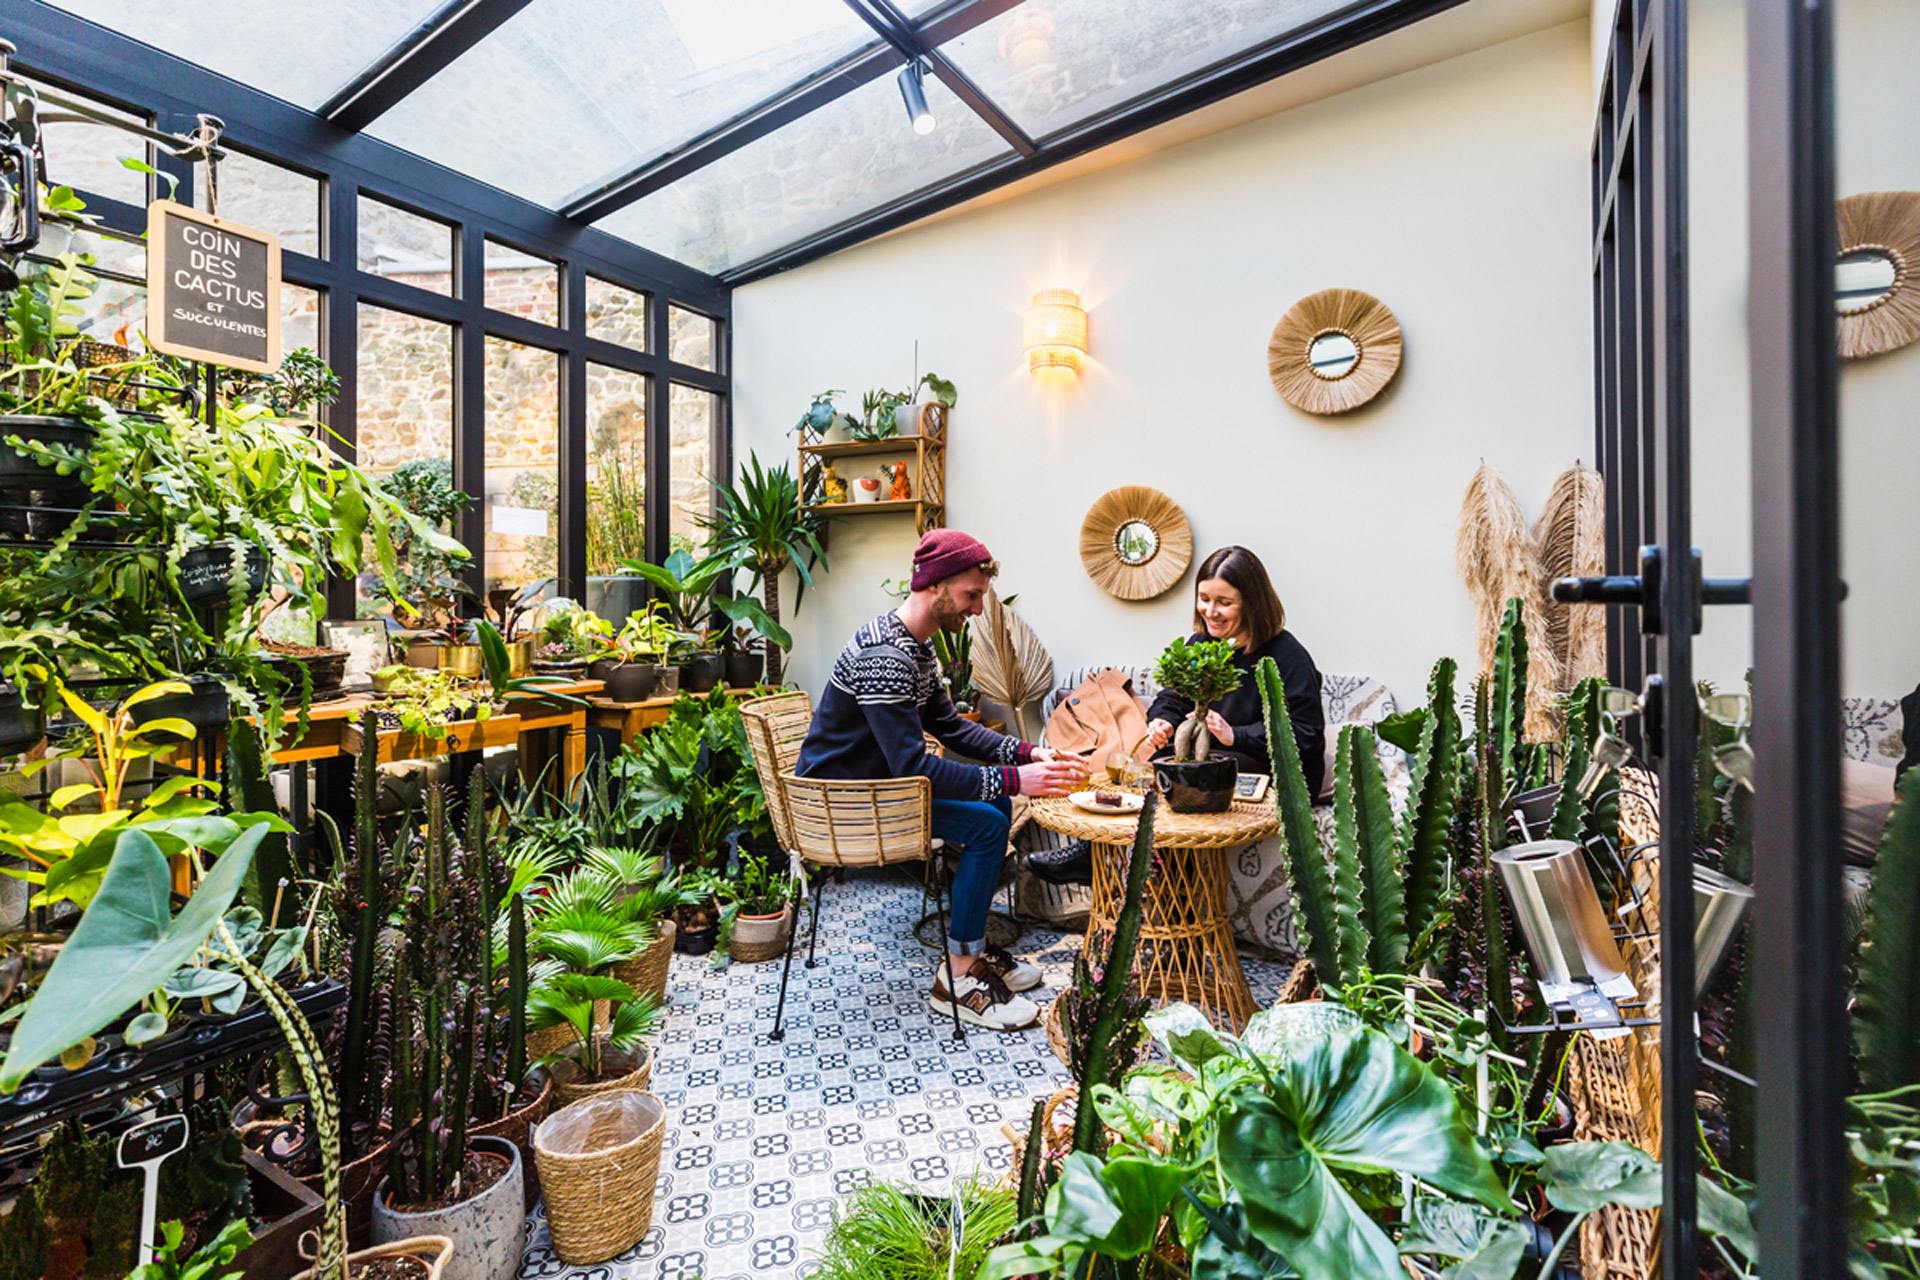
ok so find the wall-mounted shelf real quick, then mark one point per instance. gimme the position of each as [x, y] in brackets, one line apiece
[928, 506]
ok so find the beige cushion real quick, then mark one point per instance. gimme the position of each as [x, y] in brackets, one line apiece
[1866, 798]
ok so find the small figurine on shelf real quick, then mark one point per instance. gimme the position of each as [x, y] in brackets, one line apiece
[833, 490]
[866, 489]
[901, 491]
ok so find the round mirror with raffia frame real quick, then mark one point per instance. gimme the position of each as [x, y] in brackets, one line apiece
[1874, 286]
[1334, 351]
[1135, 542]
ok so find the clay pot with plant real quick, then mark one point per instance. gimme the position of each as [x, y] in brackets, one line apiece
[1203, 673]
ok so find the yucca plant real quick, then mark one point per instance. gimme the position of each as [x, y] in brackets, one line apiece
[759, 524]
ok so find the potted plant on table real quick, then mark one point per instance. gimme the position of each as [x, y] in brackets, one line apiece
[758, 525]
[1202, 672]
[751, 626]
[930, 390]
[629, 662]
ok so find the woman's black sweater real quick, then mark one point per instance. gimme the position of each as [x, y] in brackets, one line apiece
[1241, 709]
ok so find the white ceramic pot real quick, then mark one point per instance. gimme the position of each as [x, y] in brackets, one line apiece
[487, 1231]
[861, 493]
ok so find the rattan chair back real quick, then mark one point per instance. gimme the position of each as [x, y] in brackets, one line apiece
[776, 728]
[864, 823]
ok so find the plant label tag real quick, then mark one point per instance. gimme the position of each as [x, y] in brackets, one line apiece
[525, 522]
[146, 1146]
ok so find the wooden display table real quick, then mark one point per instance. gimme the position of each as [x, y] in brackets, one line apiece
[1186, 950]
[631, 719]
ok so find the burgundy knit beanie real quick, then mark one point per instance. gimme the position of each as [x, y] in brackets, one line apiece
[943, 553]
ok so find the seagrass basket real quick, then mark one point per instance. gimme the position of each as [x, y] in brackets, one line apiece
[646, 973]
[598, 1163]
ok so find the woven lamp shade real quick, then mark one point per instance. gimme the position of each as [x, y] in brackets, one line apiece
[1055, 331]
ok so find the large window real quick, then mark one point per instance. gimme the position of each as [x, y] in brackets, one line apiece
[616, 466]
[523, 464]
[690, 470]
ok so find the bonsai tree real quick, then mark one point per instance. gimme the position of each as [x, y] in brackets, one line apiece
[1203, 673]
[758, 525]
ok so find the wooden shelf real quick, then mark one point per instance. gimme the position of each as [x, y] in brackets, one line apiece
[857, 448]
[835, 510]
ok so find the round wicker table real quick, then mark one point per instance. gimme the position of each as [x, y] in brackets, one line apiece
[1186, 949]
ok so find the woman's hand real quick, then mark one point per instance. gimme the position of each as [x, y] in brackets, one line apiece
[1158, 732]
[1219, 730]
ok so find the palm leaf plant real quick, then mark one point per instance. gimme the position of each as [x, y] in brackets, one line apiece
[573, 1000]
[759, 525]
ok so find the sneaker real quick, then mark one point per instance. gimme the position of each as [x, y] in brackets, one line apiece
[984, 1001]
[1014, 973]
[1069, 864]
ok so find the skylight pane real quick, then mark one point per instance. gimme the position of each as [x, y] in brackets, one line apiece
[1054, 66]
[300, 52]
[568, 94]
[849, 157]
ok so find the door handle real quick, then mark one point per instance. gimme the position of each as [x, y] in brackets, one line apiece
[1643, 589]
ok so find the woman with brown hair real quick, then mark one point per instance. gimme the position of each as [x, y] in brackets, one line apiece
[1234, 600]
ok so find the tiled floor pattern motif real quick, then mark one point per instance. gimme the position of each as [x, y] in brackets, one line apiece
[762, 1137]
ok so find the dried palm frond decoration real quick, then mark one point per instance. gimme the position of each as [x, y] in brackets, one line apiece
[1570, 539]
[1149, 565]
[1496, 556]
[1885, 224]
[1361, 318]
[1010, 665]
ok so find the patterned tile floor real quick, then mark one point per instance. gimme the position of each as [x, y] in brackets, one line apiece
[762, 1137]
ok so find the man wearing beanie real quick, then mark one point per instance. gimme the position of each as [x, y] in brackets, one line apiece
[884, 696]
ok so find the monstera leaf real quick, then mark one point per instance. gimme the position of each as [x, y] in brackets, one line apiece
[1110, 1208]
[1488, 1247]
[1352, 1101]
[128, 943]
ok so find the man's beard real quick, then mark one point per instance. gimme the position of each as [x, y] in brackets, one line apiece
[947, 615]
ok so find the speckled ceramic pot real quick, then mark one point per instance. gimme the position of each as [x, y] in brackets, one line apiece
[487, 1231]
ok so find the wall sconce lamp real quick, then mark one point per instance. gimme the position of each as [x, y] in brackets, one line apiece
[1055, 331]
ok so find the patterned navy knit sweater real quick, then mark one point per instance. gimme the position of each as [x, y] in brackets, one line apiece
[884, 695]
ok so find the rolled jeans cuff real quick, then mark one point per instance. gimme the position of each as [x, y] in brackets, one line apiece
[967, 947]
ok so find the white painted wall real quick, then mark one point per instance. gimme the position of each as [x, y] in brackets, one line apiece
[1876, 44]
[1456, 193]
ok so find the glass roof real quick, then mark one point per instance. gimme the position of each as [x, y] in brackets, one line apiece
[301, 51]
[540, 111]
[568, 98]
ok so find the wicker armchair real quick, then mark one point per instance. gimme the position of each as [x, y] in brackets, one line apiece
[833, 823]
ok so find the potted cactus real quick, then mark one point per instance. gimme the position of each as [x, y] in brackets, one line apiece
[1203, 673]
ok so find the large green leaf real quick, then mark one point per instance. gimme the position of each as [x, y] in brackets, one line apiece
[1580, 1177]
[126, 944]
[1353, 1102]
[1487, 1247]
[747, 610]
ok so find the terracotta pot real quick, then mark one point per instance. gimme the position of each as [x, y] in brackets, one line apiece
[487, 1230]
[622, 1071]
[517, 1127]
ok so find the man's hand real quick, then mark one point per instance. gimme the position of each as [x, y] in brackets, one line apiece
[1053, 777]
[1158, 732]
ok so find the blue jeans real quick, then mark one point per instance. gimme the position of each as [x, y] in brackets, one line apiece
[980, 828]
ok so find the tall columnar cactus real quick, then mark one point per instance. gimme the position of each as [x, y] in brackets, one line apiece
[1312, 885]
[1368, 849]
[517, 992]
[1116, 1023]
[362, 906]
[1571, 818]
[1492, 826]
[1426, 828]
[1507, 699]
[268, 887]
[1886, 1018]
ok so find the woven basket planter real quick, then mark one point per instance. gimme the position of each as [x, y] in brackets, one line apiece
[430, 1252]
[639, 1063]
[760, 938]
[646, 973]
[559, 1039]
[598, 1163]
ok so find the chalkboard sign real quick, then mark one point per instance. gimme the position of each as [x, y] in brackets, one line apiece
[213, 289]
[152, 1141]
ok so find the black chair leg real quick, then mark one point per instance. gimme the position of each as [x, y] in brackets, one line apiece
[786, 967]
[946, 958]
[813, 933]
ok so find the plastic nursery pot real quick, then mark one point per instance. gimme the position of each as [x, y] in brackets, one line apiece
[1196, 786]
[38, 429]
[487, 1229]
[206, 572]
[700, 673]
[1534, 809]
[695, 942]
[745, 669]
[41, 509]
[204, 705]
[21, 726]
[626, 681]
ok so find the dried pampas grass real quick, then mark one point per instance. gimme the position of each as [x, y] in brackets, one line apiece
[1010, 665]
[1570, 537]
[1886, 222]
[1496, 556]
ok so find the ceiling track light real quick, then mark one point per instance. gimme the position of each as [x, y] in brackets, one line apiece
[913, 88]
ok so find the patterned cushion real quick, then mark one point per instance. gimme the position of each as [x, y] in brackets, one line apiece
[1870, 730]
[1257, 896]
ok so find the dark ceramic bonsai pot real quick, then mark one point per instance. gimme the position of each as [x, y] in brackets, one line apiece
[626, 681]
[745, 669]
[1196, 786]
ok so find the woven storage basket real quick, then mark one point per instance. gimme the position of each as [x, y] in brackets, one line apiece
[599, 1181]
[646, 973]
[566, 1092]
